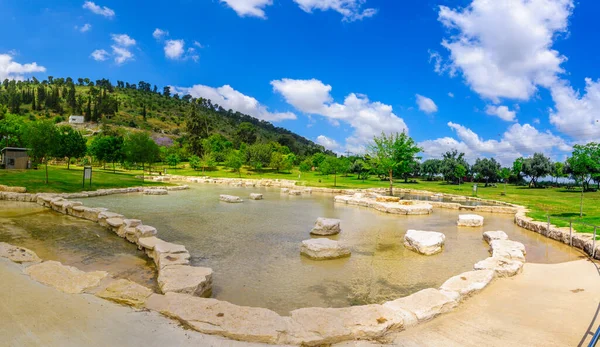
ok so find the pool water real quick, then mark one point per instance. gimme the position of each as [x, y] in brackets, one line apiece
[253, 247]
[73, 241]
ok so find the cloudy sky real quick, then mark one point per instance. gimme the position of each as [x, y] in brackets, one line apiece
[489, 78]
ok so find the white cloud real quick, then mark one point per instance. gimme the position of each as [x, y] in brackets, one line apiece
[501, 112]
[85, 28]
[174, 49]
[198, 44]
[121, 54]
[123, 40]
[251, 8]
[426, 104]
[229, 98]
[328, 143]
[365, 117]
[351, 10]
[450, 94]
[577, 115]
[159, 34]
[103, 11]
[518, 141]
[504, 48]
[15, 71]
[100, 55]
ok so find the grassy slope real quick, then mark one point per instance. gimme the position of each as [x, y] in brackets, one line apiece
[559, 203]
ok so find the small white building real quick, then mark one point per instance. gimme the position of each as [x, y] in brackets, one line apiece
[76, 119]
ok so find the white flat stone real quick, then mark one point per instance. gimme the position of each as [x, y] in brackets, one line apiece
[424, 304]
[230, 198]
[424, 242]
[508, 249]
[256, 196]
[490, 236]
[503, 267]
[326, 227]
[65, 278]
[295, 192]
[470, 220]
[468, 283]
[156, 191]
[18, 254]
[126, 292]
[186, 279]
[322, 249]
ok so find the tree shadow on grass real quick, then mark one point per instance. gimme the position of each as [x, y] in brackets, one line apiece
[570, 215]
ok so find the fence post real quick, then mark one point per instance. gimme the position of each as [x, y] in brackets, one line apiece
[571, 233]
[594, 244]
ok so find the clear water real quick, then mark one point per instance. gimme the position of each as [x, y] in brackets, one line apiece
[73, 241]
[253, 247]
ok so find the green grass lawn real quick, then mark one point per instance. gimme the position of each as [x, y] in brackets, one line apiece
[61, 180]
[561, 204]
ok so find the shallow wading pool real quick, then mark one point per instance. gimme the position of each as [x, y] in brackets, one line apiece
[73, 241]
[253, 247]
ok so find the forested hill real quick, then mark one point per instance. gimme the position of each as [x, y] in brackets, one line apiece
[143, 106]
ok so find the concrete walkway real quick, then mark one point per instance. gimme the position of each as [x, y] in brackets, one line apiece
[547, 305]
[32, 314]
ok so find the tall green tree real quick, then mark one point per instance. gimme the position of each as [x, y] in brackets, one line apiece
[535, 167]
[584, 163]
[449, 167]
[108, 149]
[235, 161]
[41, 138]
[140, 148]
[394, 153]
[487, 168]
[431, 167]
[70, 144]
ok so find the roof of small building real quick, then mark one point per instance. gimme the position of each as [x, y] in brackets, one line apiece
[14, 149]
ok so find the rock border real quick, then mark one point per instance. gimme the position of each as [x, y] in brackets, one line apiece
[307, 326]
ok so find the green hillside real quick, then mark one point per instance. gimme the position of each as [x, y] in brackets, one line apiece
[184, 120]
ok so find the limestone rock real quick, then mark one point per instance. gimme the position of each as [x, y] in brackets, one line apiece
[424, 242]
[166, 259]
[126, 292]
[490, 236]
[256, 196]
[155, 191]
[114, 222]
[65, 278]
[18, 254]
[326, 226]
[508, 249]
[210, 316]
[145, 231]
[295, 192]
[105, 215]
[316, 326]
[186, 279]
[425, 304]
[322, 249]
[468, 283]
[230, 198]
[503, 267]
[383, 198]
[470, 220]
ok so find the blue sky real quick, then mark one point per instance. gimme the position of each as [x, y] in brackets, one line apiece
[489, 78]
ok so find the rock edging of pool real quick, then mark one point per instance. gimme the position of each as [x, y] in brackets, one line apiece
[182, 283]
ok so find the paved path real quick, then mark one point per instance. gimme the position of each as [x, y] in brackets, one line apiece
[32, 314]
[547, 305]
